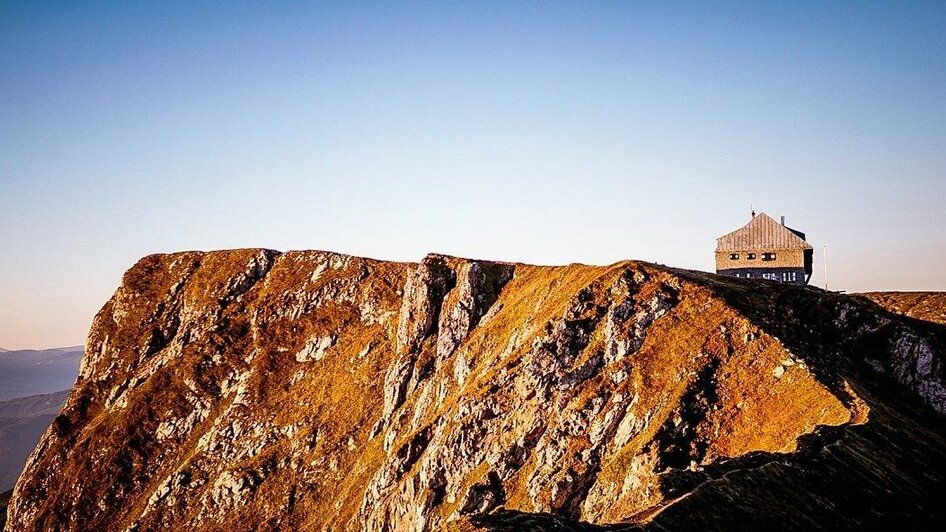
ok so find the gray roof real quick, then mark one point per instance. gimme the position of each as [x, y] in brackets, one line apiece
[762, 233]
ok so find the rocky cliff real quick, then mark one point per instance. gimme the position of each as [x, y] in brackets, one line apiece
[257, 390]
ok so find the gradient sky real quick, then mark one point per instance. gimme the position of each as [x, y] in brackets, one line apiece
[540, 132]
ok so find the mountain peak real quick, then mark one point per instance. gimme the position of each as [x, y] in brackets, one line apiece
[315, 390]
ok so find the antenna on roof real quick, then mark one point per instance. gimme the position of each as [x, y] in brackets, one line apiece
[752, 210]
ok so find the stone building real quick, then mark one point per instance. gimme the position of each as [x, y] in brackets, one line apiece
[765, 249]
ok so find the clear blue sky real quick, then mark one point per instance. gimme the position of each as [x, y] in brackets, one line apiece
[540, 132]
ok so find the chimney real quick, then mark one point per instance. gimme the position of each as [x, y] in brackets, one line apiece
[783, 221]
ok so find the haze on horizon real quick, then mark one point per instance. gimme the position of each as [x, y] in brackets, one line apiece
[549, 133]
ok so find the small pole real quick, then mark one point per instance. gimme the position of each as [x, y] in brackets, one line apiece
[824, 259]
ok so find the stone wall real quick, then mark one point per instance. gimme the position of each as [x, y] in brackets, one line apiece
[784, 258]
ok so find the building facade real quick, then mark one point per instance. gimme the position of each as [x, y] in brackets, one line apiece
[765, 249]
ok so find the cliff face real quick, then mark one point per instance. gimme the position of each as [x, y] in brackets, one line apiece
[250, 389]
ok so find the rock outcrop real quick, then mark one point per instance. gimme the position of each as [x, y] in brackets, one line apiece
[257, 390]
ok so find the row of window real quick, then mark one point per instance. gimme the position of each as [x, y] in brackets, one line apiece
[751, 256]
[786, 277]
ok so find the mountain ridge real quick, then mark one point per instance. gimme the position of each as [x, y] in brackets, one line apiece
[29, 372]
[305, 390]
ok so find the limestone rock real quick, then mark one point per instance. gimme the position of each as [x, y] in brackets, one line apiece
[251, 389]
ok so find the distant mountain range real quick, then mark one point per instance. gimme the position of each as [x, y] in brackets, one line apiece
[34, 384]
[33, 372]
[22, 423]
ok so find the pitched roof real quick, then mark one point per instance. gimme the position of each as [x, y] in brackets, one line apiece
[761, 233]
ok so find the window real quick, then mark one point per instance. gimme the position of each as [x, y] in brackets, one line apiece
[733, 256]
[748, 275]
[770, 276]
[751, 256]
[768, 256]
